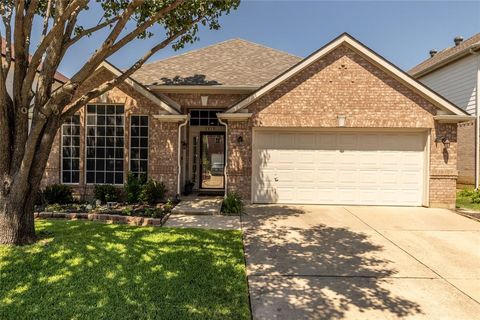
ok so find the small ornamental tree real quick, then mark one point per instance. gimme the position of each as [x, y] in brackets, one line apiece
[24, 152]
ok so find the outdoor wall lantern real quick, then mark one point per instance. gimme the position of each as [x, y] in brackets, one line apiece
[239, 139]
[444, 140]
[341, 120]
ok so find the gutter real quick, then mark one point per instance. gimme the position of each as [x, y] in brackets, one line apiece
[183, 120]
[179, 155]
[448, 60]
[447, 118]
[221, 121]
[222, 117]
[477, 120]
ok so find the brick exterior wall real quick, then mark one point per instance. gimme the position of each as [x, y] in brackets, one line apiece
[443, 167]
[466, 153]
[345, 83]
[163, 137]
[341, 83]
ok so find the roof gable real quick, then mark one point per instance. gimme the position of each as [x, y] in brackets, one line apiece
[367, 53]
[164, 102]
[446, 56]
[232, 63]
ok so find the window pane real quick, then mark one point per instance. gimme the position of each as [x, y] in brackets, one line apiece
[106, 143]
[70, 150]
[109, 177]
[90, 164]
[75, 176]
[139, 142]
[135, 121]
[118, 178]
[66, 177]
[90, 177]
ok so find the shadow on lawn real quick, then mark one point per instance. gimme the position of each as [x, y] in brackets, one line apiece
[321, 271]
[91, 271]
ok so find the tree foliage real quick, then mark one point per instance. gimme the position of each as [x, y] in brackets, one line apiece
[24, 149]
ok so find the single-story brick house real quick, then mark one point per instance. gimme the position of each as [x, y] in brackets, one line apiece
[341, 126]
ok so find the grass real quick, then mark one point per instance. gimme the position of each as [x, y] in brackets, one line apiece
[464, 201]
[86, 270]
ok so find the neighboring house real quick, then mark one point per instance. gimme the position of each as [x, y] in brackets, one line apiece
[455, 74]
[341, 126]
[59, 78]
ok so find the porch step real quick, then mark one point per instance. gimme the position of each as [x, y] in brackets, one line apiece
[199, 206]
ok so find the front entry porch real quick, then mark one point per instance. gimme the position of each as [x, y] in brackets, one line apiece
[203, 159]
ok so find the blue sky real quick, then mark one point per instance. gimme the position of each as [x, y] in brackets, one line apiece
[401, 31]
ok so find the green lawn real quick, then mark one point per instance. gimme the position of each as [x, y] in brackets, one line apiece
[86, 270]
[463, 201]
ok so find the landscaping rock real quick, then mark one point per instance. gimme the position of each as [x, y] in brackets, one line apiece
[45, 215]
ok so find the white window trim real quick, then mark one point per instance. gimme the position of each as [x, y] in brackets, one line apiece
[204, 109]
[130, 144]
[85, 147]
[61, 157]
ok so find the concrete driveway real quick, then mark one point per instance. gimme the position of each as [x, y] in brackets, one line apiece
[327, 262]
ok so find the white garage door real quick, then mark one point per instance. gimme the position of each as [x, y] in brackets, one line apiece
[338, 168]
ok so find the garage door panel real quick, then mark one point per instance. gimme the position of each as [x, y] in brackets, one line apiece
[339, 168]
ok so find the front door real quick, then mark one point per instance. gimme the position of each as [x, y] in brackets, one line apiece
[212, 160]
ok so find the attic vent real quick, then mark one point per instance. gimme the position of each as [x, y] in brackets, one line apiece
[432, 52]
[458, 40]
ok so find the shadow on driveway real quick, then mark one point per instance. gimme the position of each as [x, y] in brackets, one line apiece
[298, 270]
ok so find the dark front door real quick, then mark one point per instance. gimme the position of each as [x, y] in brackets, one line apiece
[212, 160]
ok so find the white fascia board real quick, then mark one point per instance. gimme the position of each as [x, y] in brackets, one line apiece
[139, 88]
[234, 116]
[433, 97]
[450, 118]
[172, 117]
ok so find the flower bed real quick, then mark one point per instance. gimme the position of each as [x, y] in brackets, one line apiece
[138, 215]
[103, 217]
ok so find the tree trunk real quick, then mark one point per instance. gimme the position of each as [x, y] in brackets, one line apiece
[16, 219]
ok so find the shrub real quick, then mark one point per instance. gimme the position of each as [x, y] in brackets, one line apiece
[232, 204]
[57, 193]
[466, 192]
[475, 196]
[106, 193]
[153, 192]
[133, 188]
[154, 213]
[168, 206]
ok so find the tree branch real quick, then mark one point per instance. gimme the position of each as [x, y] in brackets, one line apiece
[82, 101]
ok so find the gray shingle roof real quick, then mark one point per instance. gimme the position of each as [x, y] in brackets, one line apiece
[446, 54]
[235, 62]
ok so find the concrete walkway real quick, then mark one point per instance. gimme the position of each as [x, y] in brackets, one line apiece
[199, 206]
[325, 262]
[204, 222]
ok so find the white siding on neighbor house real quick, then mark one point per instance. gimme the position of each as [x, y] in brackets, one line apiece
[457, 82]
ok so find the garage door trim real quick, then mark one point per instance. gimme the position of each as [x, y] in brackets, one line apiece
[426, 152]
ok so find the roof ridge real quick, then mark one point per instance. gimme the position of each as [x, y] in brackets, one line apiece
[191, 51]
[267, 47]
[219, 43]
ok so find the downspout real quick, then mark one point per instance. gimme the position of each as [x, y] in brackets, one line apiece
[477, 120]
[179, 159]
[226, 154]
